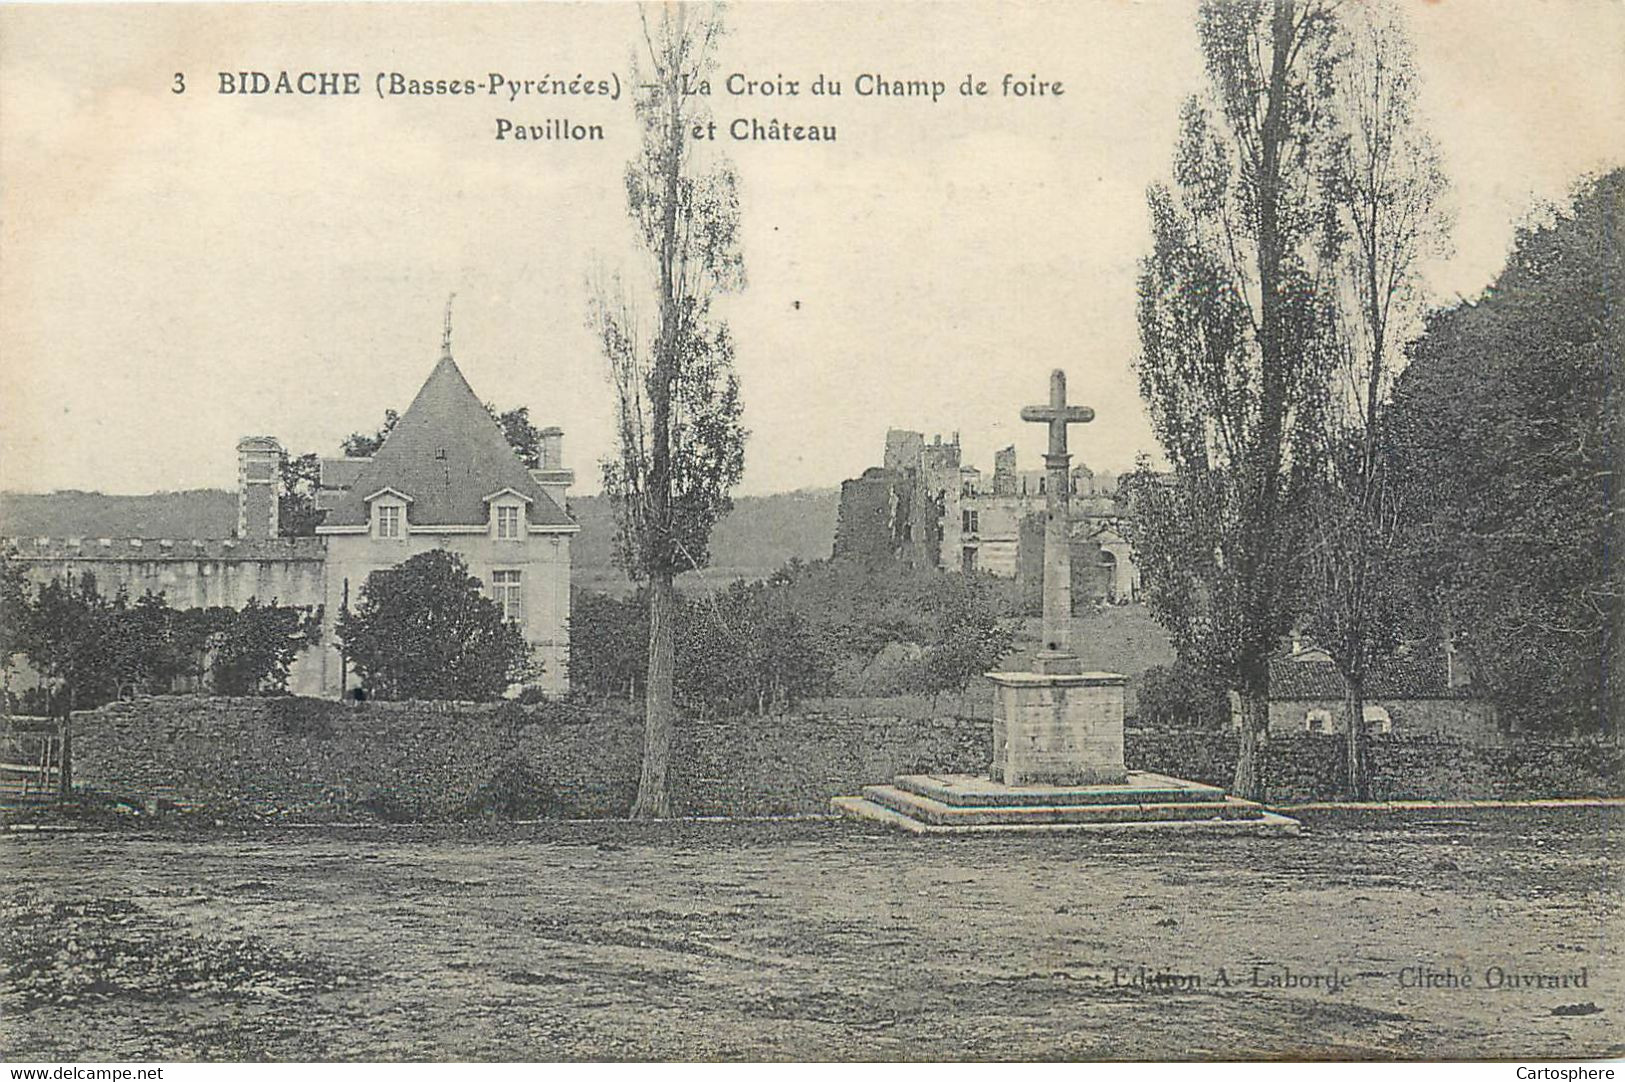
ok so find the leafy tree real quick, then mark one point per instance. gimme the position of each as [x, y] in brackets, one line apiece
[1384, 197]
[1508, 425]
[746, 649]
[255, 650]
[138, 656]
[1235, 338]
[192, 636]
[680, 441]
[424, 630]
[609, 643]
[97, 648]
[297, 515]
[361, 445]
[16, 597]
[69, 637]
[1179, 696]
[764, 645]
[524, 437]
[969, 638]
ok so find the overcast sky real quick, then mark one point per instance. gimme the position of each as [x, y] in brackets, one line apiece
[177, 271]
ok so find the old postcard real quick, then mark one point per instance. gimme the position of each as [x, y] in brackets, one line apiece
[832, 531]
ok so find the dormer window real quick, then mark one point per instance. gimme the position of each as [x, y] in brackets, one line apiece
[507, 521]
[388, 513]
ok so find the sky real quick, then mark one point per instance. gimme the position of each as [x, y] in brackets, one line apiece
[181, 270]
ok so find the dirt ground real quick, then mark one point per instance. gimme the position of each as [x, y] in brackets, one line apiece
[816, 940]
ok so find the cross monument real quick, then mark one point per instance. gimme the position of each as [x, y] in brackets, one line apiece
[1058, 760]
[1057, 655]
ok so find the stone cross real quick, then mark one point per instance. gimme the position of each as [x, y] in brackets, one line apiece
[1057, 655]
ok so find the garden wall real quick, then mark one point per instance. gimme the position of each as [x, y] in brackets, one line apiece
[1308, 767]
[314, 759]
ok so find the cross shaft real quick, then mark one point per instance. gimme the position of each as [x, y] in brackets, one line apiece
[1057, 655]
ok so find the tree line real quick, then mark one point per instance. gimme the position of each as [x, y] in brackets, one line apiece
[809, 630]
[1346, 460]
[92, 648]
[420, 630]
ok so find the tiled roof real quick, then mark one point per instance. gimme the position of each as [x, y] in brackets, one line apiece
[1397, 678]
[342, 472]
[448, 454]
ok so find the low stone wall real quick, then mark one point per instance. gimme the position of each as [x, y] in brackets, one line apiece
[304, 758]
[1310, 766]
[314, 759]
[1421, 719]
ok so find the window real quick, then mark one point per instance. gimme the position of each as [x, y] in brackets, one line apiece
[969, 521]
[507, 592]
[1318, 721]
[1377, 720]
[508, 524]
[389, 521]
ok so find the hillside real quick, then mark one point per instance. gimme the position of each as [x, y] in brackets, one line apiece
[201, 512]
[762, 533]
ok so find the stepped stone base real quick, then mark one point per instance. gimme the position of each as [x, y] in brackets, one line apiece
[955, 803]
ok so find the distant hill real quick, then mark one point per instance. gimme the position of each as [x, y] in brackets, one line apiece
[759, 536]
[200, 512]
[762, 534]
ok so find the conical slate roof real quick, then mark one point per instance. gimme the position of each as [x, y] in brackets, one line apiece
[447, 453]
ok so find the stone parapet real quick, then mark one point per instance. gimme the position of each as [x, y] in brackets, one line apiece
[148, 549]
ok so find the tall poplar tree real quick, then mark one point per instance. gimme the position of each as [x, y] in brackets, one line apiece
[1386, 187]
[1236, 334]
[681, 442]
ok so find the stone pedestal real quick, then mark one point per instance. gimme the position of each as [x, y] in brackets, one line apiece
[1058, 765]
[1053, 728]
[1057, 731]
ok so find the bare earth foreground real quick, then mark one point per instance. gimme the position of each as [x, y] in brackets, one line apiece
[814, 940]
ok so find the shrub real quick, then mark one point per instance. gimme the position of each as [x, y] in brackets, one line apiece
[1176, 697]
[300, 716]
[515, 792]
[424, 630]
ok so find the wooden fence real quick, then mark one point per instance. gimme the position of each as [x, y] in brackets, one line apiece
[33, 755]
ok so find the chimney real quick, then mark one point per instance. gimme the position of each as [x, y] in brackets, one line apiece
[259, 466]
[550, 472]
[552, 451]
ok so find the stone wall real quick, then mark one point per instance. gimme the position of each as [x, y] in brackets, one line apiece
[314, 760]
[1310, 767]
[192, 573]
[310, 759]
[872, 517]
[189, 572]
[1436, 718]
